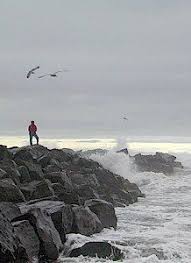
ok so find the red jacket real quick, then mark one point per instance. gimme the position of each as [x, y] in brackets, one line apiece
[32, 128]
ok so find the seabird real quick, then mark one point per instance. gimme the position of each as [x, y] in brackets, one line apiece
[32, 71]
[125, 118]
[53, 75]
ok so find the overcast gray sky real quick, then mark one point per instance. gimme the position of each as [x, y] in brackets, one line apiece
[128, 57]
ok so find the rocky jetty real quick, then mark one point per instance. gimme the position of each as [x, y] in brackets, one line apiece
[47, 194]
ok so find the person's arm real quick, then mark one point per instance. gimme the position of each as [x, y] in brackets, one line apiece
[29, 128]
[35, 128]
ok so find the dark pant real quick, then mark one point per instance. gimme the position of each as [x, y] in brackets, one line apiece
[31, 135]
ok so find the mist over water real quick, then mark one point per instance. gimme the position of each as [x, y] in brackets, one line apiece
[156, 228]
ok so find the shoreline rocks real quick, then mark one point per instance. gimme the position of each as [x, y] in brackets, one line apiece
[47, 194]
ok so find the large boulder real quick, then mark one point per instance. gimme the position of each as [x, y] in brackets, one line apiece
[44, 160]
[86, 192]
[111, 189]
[98, 249]
[61, 215]
[104, 211]
[85, 221]
[28, 238]
[62, 178]
[24, 174]
[35, 170]
[158, 163]
[37, 190]
[28, 153]
[84, 179]
[50, 242]
[9, 192]
[11, 250]
[60, 155]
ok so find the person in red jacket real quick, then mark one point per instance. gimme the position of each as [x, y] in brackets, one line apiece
[32, 132]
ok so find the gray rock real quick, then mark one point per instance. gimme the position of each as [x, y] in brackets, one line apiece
[85, 192]
[85, 221]
[61, 214]
[158, 163]
[10, 248]
[98, 249]
[50, 242]
[44, 160]
[84, 179]
[37, 190]
[28, 238]
[52, 168]
[24, 174]
[104, 211]
[62, 178]
[10, 210]
[9, 192]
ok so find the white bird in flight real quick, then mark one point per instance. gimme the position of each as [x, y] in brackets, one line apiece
[53, 75]
[32, 71]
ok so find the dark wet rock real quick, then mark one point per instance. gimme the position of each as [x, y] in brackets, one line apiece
[28, 153]
[111, 188]
[24, 174]
[11, 250]
[10, 210]
[60, 155]
[69, 197]
[78, 163]
[4, 153]
[10, 167]
[98, 249]
[37, 190]
[44, 160]
[9, 192]
[34, 169]
[58, 188]
[13, 174]
[84, 179]
[86, 192]
[61, 215]
[28, 238]
[62, 178]
[104, 211]
[50, 242]
[158, 163]
[85, 221]
[52, 168]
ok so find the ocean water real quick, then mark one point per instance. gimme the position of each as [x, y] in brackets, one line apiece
[158, 227]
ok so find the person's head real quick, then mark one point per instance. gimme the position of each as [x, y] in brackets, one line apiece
[32, 122]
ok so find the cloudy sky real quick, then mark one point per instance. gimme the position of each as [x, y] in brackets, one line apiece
[127, 57]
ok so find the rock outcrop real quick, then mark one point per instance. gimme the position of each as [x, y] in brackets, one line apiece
[98, 249]
[47, 194]
[158, 163]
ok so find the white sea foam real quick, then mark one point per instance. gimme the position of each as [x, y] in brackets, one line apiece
[158, 224]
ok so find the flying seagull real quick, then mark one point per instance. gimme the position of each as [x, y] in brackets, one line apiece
[32, 71]
[125, 118]
[53, 75]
